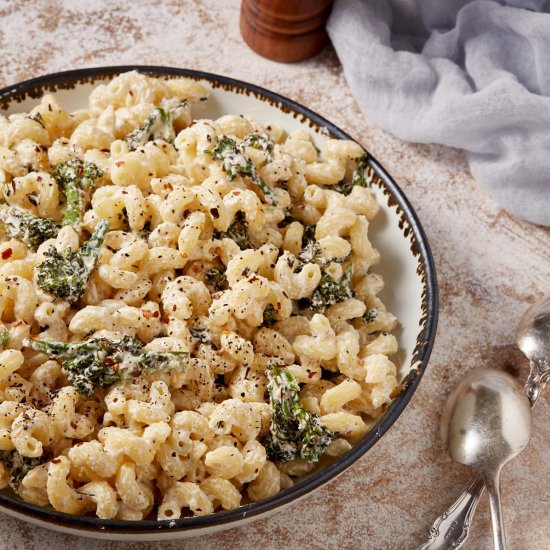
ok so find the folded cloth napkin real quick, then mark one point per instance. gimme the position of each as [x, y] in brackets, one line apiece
[473, 74]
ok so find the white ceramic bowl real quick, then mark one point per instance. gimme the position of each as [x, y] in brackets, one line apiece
[410, 291]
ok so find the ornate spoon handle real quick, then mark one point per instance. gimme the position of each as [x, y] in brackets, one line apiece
[451, 529]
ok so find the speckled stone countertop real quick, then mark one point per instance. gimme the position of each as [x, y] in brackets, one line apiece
[490, 267]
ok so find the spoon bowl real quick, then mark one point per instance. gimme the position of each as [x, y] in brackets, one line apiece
[533, 332]
[533, 339]
[487, 419]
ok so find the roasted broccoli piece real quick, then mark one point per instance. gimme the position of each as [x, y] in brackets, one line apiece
[216, 278]
[262, 142]
[21, 224]
[76, 179]
[370, 315]
[102, 362]
[294, 431]
[235, 163]
[159, 125]
[238, 231]
[330, 292]
[311, 254]
[19, 466]
[359, 177]
[4, 338]
[309, 235]
[66, 275]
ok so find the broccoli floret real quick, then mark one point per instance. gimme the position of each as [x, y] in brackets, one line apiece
[66, 275]
[330, 292]
[216, 278]
[159, 125]
[370, 315]
[312, 254]
[4, 338]
[309, 235]
[19, 466]
[262, 142]
[235, 163]
[360, 177]
[102, 362]
[21, 224]
[238, 231]
[76, 179]
[294, 431]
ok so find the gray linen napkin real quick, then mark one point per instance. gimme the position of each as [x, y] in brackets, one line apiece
[468, 74]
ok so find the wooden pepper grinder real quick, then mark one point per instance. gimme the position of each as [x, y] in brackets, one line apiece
[285, 30]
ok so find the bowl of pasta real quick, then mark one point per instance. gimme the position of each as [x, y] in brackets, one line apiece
[213, 301]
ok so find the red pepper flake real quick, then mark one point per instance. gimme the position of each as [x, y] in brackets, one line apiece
[218, 251]
[278, 305]
[168, 187]
[214, 212]
[155, 314]
[236, 193]
[311, 374]
[7, 253]
[147, 313]
[105, 151]
[197, 268]
[119, 163]
[73, 425]
[174, 307]
[167, 320]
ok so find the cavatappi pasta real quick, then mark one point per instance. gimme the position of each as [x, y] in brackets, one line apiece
[188, 316]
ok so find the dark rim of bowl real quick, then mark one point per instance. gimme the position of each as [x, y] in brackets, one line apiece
[412, 228]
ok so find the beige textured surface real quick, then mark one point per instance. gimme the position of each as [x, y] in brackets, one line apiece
[490, 267]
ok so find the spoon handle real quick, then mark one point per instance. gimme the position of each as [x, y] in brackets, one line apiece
[451, 529]
[492, 483]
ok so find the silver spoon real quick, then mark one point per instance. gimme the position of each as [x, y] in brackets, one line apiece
[452, 528]
[486, 422]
